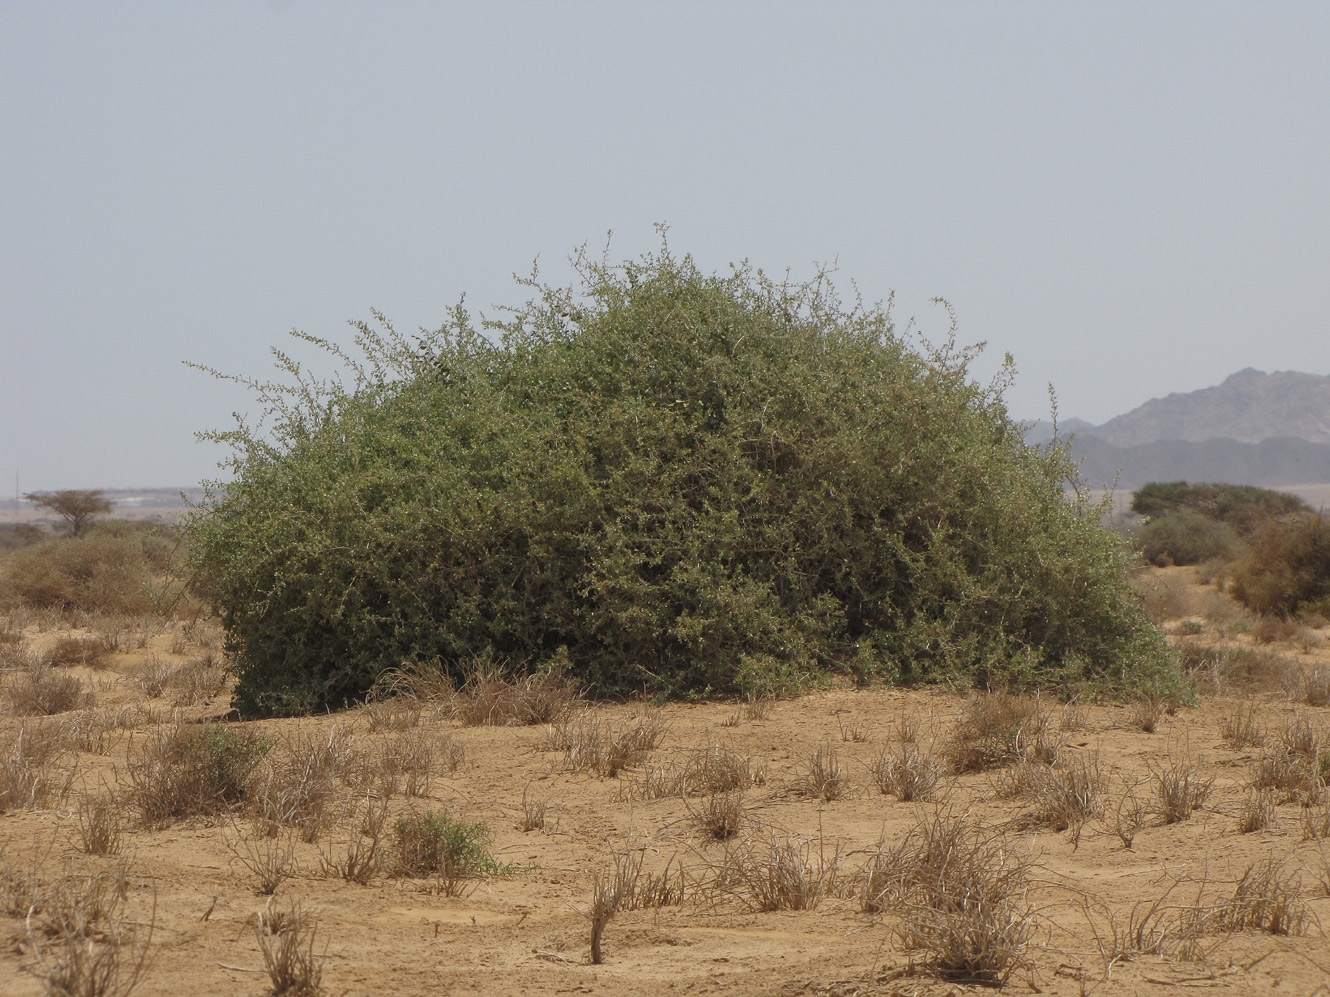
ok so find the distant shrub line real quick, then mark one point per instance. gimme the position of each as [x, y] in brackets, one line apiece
[1278, 548]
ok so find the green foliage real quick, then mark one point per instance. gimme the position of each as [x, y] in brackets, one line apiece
[672, 482]
[1287, 568]
[1243, 507]
[436, 843]
[1186, 537]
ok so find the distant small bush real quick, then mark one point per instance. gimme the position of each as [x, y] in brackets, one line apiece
[1186, 537]
[1287, 568]
[44, 691]
[16, 536]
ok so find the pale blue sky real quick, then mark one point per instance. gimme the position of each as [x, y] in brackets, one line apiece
[1131, 198]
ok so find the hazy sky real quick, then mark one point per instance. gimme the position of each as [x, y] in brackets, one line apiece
[1131, 198]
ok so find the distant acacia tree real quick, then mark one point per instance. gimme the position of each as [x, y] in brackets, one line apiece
[76, 507]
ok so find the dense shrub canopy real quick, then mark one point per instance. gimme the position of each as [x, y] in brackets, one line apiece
[1186, 537]
[666, 481]
[1243, 507]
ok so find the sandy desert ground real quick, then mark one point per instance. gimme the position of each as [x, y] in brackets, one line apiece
[1102, 894]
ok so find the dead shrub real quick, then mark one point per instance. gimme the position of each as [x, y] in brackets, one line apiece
[1239, 669]
[1316, 686]
[851, 732]
[89, 731]
[1242, 730]
[153, 678]
[1289, 776]
[362, 859]
[629, 888]
[1146, 713]
[1258, 813]
[297, 785]
[906, 773]
[1267, 898]
[780, 873]
[1128, 817]
[199, 680]
[1316, 821]
[28, 774]
[397, 713]
[1301, 737]
[596, 745]
[271, 861]
[194, 770]
[997, 728]
[99, 826]
[488, 695]
[823, 776]
[85, 652]
[1273, 628]
[83, 938]
[1146, 931]
[286, 940]
[960, 894]
[1179, 790]
[405, 764]
[722, 815]
[1073, 717]
[534, 812]
[44, 691]
[1064, 796]
[705, 771]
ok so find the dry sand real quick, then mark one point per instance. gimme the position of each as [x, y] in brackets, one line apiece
[528, 932]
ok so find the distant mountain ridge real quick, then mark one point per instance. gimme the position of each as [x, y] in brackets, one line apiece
[1253, 429]
[1250, 406]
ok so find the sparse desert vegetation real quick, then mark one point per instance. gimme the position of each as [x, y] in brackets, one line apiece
[498, 832]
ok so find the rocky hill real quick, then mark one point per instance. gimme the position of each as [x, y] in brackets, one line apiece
[1254, 429]
[1250, 406]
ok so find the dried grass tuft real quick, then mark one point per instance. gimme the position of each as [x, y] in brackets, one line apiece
[906, 773]
[961, 895]
[997, 728]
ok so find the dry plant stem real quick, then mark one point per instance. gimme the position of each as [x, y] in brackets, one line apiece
[960, 893]
[84, 942]
[533, 812]
[1179, 790]
[629, 888]
[824, 777]
[779, 874]
[1242, 730]
[286, 940]
[270, 861]
[99, 826]
[906, 773]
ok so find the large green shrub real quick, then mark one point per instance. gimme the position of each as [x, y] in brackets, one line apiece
[669, 482]
[1186, 537]
[1245, 508]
